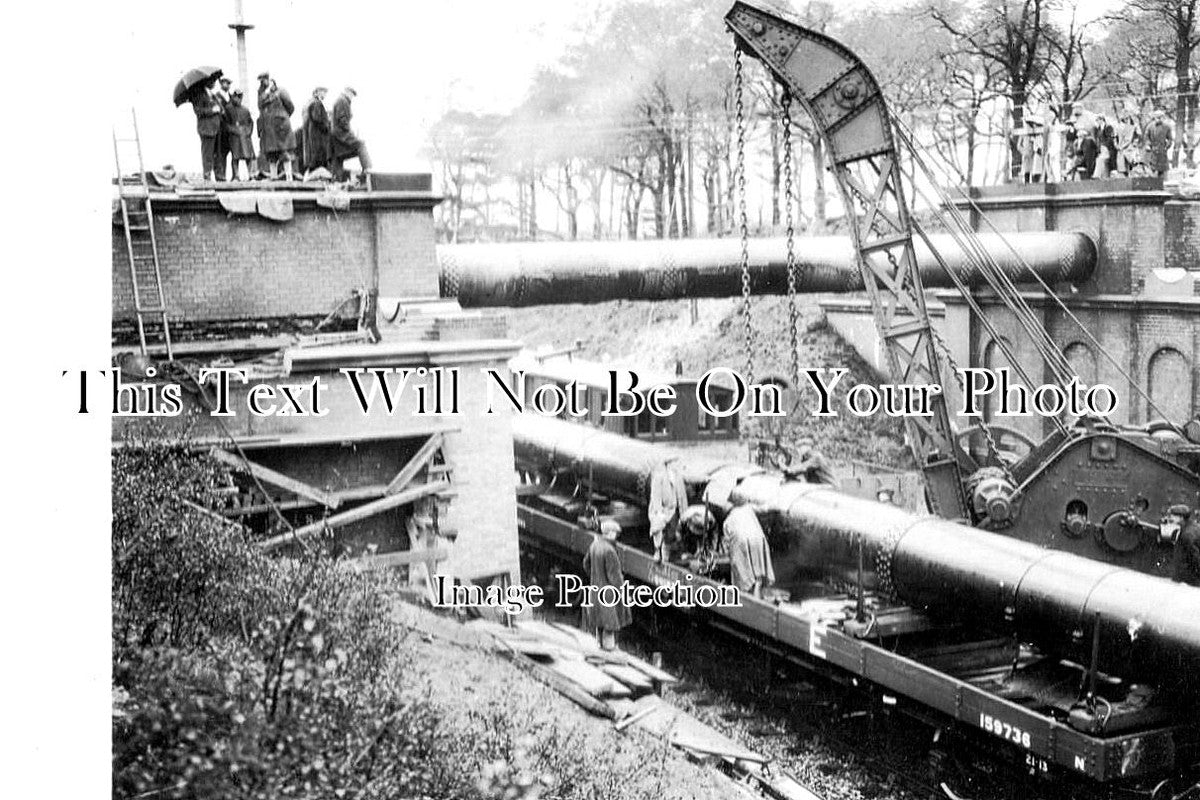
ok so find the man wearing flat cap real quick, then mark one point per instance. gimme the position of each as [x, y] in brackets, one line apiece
[1159, 138]
[1182, 526]
[346, 143]
[238, 128]
[275, 109]
[603, 567]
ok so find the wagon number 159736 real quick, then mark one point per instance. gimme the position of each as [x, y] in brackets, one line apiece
[1004, 730]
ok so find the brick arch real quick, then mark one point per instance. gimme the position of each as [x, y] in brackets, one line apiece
[993, 359]
[1170, 379]
[1083, 362]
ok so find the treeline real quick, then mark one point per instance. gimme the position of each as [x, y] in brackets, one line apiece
[632, 133]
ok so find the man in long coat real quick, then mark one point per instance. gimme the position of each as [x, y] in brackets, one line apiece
[208, 125]
[317, 148]
[238, 128]
[749, 555]
[668, 500]
[222, 94]
[275, 109]
[346, 143]
[603, 566]
[1158, 144]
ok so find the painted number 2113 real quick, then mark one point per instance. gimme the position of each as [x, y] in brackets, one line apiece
[1004, 730]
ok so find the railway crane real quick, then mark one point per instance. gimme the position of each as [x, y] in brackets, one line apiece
[1093, 489]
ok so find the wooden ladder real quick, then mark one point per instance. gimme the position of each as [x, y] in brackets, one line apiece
[141, 246]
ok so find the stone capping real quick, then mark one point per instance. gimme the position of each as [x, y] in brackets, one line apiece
[1102, 301]
[1125, 191]
[857, 305]
[392, 354]
[423, 201]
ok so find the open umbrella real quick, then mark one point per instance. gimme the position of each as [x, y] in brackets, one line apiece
[190, 80]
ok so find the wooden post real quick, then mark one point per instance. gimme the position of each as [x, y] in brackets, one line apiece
[356, 514]
[278, 479]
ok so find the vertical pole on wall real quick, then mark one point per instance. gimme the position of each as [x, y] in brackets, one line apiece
[240, 27]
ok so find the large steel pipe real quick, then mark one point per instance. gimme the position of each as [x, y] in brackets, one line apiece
[592, 272]
[1148, 627]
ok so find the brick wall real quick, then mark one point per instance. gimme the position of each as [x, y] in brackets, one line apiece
[216, 266]
[1129, 332]
[408, 264]
[1182, 228]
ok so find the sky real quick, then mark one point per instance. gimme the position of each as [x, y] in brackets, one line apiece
[408, 61]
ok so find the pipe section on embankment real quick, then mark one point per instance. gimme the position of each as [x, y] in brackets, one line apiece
[530, 274]
[1149, 626]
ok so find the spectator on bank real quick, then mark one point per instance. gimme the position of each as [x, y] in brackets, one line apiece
[1033, 149]
[1129, 138]
[346, 143]
[275, 109]
[208, 125]
[1106, 159]
[1086, 155]
[222, 93]
[238, 128]
[1159, 138]
[316, 150]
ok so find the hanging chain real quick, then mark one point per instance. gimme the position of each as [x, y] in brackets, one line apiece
[747, 324]
[793, 312]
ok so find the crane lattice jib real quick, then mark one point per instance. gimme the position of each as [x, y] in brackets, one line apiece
[850, 115]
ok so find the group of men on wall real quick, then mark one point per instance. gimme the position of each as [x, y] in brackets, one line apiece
[324, 140]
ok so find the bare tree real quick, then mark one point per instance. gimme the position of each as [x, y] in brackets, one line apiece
[1177, 19]
[1011, 34]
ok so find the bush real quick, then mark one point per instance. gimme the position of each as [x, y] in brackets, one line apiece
[237, 675]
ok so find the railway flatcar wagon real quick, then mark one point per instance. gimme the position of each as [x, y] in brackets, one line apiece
[1081, 672]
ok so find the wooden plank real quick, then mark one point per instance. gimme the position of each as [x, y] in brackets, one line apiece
[629, 676]
[401, 558]
[583, 639]
[644, 667]
[548, 633]
[588, 678]
[422, 457]
[701, 743]
[277, 479]
[633, 717]
[369, 492]
[213, 515]
[560, 684]
[534, 648]
[354, 515]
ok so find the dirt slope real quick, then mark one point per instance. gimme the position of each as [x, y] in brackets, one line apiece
[655, 335]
